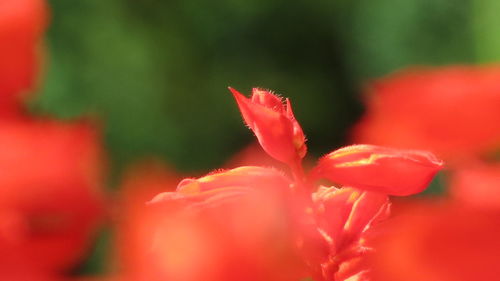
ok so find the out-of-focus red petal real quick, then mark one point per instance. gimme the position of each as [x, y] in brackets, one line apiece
[477, 185]
[135, 221]
[217, 187]
[22, 23]
[379, 169]
[451, 111]
[50, 192]
[442, 242]
[228, 225]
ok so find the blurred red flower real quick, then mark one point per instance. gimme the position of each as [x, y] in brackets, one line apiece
[445, 241]
[256, 223]
[50, 194]
[134, 222]
[22, 23]
[219, 234]
[476, 184]
[51, 201]
[453, 111]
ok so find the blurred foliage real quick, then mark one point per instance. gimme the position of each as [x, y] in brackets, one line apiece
[155, 72]
[437, 187]
[486, 37]
[96, 262]
[386, 35]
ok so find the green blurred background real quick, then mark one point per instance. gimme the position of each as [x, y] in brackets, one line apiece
[155, 72]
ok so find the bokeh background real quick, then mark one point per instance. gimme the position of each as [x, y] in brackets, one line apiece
[155, 72]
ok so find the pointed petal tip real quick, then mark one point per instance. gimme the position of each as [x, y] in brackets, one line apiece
[233, 90]
[237, 95]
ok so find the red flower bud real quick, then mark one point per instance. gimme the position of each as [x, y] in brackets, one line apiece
[380, 169]
[274, 124]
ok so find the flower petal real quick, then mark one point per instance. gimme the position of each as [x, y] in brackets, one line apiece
[274, 125]
[380, 169]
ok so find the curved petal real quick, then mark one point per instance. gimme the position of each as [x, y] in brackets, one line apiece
[274, 125]
[380, 169]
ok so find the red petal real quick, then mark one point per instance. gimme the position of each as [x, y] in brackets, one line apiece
[344, 214]
[22, 23]
[374, 168]
[267, 99]
[273, 128]
[224, 185]
[445, 242]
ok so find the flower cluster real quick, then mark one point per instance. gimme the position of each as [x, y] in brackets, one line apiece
[454, 112]
[50, 197]
[260, 223]
[451, 111]
[276, 219]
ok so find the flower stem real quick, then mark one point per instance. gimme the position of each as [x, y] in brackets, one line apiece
[299, 175]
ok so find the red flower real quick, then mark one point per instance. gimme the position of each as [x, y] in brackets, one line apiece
[213, 230]
[22, 23]
[232, 215]
[375, 168]
[477, 185]
[442, 242]
[50, 197]
[344, 217]
[451, 111]
[274, 124]
[135, 223]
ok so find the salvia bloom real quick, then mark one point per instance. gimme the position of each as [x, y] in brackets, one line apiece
[439, 241]
[134, 222]
[260, 223]
[22, 23]
[477, 184]
[451, 111]
[50, 194]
